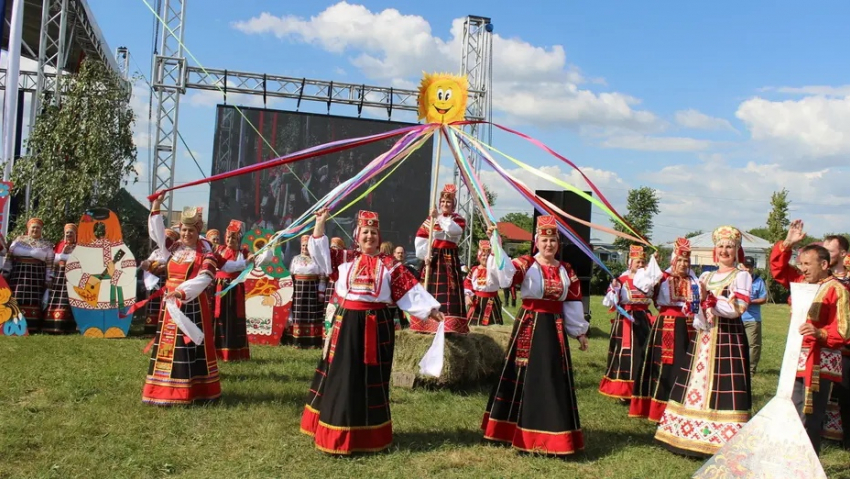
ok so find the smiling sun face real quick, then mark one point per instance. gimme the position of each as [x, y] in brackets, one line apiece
[442, 98]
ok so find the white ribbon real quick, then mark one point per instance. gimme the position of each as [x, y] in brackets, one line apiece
[432, 362]
[183, 323]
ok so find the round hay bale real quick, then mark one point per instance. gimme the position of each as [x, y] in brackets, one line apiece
[469, 361]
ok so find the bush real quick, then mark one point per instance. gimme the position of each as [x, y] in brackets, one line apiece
[599, 279]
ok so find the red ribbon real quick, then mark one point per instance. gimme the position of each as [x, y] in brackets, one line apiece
[370, 342]
[140, 304]
[312, 152]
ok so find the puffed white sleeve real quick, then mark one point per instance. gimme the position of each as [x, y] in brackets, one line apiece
[421, 246]
[647, 278]
[612, 297]
[738, 300]
[156, 230]
[450, 226]
[503, 277]
[574, 321]
[320, 250]
[193, 288]
[232, 266]
[417, 302]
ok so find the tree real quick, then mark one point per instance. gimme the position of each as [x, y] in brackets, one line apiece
[694, 233]
[523, 220]
[642, 206]
[777, 220]
[82, 151]
[759, 232]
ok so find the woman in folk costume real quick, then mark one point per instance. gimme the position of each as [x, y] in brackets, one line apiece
[482, 289]
[533, 406]
[711, 399]
[628, 335]
[214, 237]
[29, 269]
[306, 318]
[677, 297]
[58, 318]
[183, 367]
[153, 266]
[348, 406]
[444, 280]
[231, 329]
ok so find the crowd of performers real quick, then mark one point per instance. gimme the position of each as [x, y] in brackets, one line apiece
[688, 367]
[35, 269]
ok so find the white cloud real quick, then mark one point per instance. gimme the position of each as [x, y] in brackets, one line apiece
[814, 127]
[531, 83]
[655, 143]
[822, 90]
[709, 194]
[700, 121]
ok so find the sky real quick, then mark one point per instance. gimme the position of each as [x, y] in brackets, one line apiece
[714, 104]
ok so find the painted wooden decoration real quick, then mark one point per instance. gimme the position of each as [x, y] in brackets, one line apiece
[268, 293]
[12, 321]
[101, 275]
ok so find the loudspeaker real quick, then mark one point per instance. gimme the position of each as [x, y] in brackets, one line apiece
[576, 206]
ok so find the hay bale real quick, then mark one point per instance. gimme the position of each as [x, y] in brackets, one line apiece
[469, 361]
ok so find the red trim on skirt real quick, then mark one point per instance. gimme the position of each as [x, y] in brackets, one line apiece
[559, 443]
[648, 408]
[340, 440]
[153, 394]
[616, 388]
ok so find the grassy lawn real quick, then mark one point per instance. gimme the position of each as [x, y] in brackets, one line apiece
[71, 407]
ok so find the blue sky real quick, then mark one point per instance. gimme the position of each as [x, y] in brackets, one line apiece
[716, 105]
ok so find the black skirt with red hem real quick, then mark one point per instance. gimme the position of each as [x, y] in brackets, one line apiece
[180, 371]
[625, 354]
[348, 406]
[533, 406]
[231, 329]
[666, 354]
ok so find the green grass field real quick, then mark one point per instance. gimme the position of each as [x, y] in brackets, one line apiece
[71, 407]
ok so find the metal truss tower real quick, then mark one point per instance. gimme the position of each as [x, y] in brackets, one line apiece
[476, 61]
[169, 82]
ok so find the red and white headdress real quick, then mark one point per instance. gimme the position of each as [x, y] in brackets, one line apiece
[213, 233]
[484, 245]
[635, 252]
[368, 218]
[729, 234]
[70, 227]
[236, 226]
[547, 226]
[681, 248]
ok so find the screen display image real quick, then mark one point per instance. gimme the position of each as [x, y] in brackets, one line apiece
[272, 198]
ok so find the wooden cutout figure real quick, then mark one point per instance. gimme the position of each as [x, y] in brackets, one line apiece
[12, 321]
[268, 293]
[101, 274]
[774, 443]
